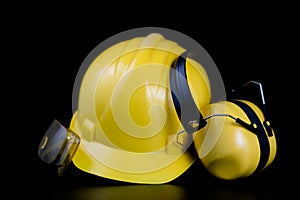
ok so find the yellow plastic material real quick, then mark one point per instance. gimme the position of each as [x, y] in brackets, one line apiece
[236, 153]
[126, 119]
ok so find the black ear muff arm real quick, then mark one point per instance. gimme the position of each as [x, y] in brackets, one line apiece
[251, 127]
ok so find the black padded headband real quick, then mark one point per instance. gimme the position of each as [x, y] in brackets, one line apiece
[186, 109]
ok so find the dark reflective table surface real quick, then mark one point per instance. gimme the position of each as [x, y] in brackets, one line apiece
[167, 191]
[195, 183]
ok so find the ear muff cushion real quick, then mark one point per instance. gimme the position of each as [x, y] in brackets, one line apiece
[260, 133]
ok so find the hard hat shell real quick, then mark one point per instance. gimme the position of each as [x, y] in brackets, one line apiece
[236, 152]
[126, 120]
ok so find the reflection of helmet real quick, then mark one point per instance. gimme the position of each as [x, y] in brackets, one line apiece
[125, 119]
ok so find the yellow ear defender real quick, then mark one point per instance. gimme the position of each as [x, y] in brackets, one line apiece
[245, 142]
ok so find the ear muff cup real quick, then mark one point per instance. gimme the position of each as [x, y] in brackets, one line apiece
[238, 152]
[260, 133]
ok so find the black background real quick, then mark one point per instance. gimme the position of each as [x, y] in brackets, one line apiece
[50, 43]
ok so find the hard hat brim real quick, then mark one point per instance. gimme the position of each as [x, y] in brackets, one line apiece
[165, 172]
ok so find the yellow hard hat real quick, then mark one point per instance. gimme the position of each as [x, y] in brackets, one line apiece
[124, 126]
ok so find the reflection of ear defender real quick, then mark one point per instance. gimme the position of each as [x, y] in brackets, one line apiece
[235, 139]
